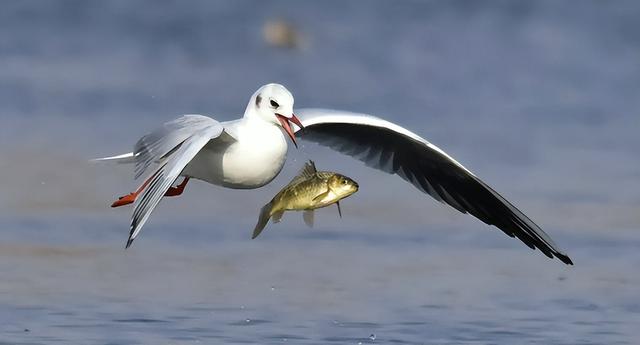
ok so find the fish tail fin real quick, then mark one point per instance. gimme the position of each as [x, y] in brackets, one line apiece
[263, 219]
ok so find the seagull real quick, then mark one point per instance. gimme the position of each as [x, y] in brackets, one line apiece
[250, 152]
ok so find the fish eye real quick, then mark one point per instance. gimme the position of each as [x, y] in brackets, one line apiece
[274, 103]
[344, 181]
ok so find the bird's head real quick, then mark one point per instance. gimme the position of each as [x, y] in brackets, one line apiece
[273, 103]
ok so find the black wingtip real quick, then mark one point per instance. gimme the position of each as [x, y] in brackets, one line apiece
[564, 258]
[129, 241]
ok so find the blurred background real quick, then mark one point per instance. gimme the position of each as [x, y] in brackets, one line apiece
[539, 99]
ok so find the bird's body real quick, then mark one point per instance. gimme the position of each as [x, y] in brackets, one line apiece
[260, 146]
[251, 151]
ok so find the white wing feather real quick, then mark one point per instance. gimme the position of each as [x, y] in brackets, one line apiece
[174, 159]
[124, 158]
[155, 146]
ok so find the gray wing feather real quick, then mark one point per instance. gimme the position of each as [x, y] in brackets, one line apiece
[155, 146]
[169, 170]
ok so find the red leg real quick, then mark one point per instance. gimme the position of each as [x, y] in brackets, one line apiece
[131, 197]
[177, 190]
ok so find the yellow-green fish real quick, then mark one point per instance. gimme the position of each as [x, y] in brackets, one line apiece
[309, 190]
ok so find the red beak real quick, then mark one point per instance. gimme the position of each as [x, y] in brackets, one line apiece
[284, 121]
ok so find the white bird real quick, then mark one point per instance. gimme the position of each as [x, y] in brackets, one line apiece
[250, 152]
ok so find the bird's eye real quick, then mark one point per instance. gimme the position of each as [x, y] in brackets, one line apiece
[274, 103]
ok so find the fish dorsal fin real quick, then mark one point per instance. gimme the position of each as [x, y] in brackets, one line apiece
[308, 170]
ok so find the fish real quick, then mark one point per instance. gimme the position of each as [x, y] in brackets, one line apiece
[310, 189]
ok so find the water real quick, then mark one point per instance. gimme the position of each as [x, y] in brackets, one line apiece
[539, 99]
[301, 287]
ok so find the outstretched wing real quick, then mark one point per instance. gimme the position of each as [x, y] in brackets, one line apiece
[172, 159]
[388, 147]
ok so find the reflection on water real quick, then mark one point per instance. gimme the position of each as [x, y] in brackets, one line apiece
[538, 98]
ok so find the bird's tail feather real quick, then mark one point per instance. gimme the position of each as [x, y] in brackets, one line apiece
[263, 219]
[122, 159]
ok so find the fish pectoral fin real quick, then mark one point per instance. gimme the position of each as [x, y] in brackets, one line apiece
[277, 217]
[308, 217]
[339, 210]
[322, 195]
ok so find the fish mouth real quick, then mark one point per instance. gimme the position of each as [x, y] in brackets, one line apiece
[354, 189]
[353, 185]
[285, 122]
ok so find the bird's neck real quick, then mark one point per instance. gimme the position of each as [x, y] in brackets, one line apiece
[253, 126]
[251, 114]
[253, 119]
[251, 111]
[256, 130]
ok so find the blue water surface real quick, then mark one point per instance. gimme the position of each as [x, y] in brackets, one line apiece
[539, 99]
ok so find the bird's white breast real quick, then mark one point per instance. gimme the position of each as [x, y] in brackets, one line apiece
[254, 160]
